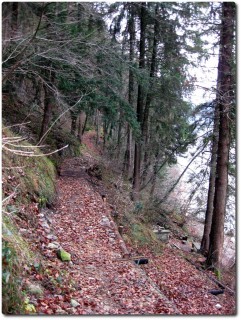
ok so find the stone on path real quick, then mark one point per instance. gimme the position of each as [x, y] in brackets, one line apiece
[63, 255]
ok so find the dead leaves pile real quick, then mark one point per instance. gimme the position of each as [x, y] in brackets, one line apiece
[187, 287]
[96, 278]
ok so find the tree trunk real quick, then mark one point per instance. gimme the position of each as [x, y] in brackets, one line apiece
[131, 27]
[97, 123]
[14, 22]
[155, 172]
[225, 100]
[105, 133]
[73, 122]
[211, 187]
[127, 156]
[120, 125]
[139, 110]
[47, 113]
[145, 127]
[82, 118]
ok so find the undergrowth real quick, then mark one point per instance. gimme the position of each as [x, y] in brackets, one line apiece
[28, 183]
[27, 178]
[16, 254]
[135, 217]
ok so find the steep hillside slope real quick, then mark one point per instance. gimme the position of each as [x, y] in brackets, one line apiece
[28, 184]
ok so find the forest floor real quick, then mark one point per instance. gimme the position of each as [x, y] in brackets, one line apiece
[97, 280]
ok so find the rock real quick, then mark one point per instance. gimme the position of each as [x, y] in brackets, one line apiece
[105, 222]
[35, 289]
[163, 235]
[196, 246]
[63, 255]
[45, 224]
[107, 308]
[74, 303]
[53, 245]
[218, 306]
[34, 302]
[112, 235]
[51, 237]
[61, 311]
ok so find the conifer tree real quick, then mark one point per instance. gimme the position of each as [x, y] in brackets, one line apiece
[225, 100]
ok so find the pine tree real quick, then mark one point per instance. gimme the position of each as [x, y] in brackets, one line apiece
[225, 100]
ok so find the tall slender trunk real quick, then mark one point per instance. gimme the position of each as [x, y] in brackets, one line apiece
[47, 112]
[105, 133]
[14, 22]
[97, 123]
[211, 187]
[155, 172]
[73, 122]
[82, 118]
[131, 27]
[120, 125]
[225, 100]
[145, 127]
[127, 156]
[140, 105]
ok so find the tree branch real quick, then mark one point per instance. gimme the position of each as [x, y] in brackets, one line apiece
[14, 67]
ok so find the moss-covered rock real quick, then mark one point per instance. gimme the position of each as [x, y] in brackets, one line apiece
[63, 255]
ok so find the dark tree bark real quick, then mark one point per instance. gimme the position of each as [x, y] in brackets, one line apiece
[140, 105]
[105, 133]
[48, 105]
[131, 27]
[47, 113]
[225, 99]
[74, 117]
[97, 123]
[119, 135]
[14, 23]
[149, 98]
[211, 187]
[81, 125]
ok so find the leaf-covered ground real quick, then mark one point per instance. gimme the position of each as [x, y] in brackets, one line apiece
[98, 280]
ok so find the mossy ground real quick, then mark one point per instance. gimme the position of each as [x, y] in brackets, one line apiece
[28, 183]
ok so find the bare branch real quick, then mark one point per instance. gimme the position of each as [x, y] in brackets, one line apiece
[61, 115]
[14, 67]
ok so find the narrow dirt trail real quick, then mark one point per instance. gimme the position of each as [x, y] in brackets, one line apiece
[104, 284]
[97, 281]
